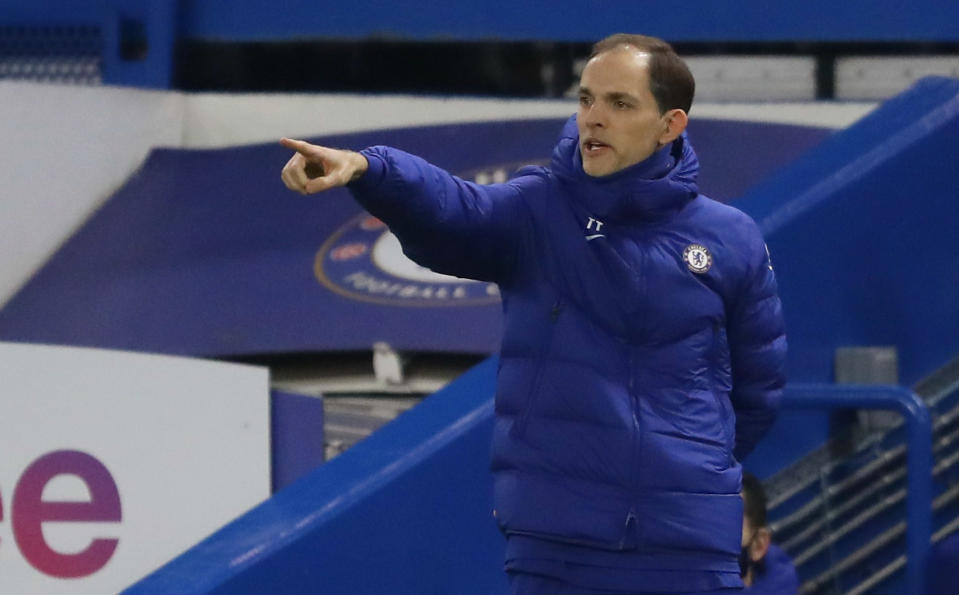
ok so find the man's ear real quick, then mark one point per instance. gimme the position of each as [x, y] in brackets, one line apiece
[676, 121]
[760, 544]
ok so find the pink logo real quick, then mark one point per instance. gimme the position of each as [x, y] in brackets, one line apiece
[30, 511]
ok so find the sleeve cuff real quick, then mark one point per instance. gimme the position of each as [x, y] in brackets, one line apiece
[374, 173]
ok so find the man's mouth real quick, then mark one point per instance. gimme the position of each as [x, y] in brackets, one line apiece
[592, 147]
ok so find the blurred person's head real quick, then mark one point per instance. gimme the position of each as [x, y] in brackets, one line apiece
[756, 536]
[635, 94]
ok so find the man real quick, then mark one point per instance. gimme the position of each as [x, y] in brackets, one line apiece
[765, 568]
[639, 315]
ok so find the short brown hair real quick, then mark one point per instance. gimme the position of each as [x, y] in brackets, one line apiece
[670, 81]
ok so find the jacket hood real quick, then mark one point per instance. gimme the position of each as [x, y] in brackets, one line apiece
[650, 189]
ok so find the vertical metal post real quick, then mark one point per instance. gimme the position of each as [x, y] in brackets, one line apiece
[919, 495]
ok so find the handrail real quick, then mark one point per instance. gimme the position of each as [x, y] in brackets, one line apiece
[918, 461]
[882, 483]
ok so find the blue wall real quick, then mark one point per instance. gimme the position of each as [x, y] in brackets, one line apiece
[560, 20]
[296, 437]
[862, 232]
[863, 236]
[577, 20]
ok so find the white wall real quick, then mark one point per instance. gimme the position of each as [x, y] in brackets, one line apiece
[216, 120]
[68, 148]
[65, 149]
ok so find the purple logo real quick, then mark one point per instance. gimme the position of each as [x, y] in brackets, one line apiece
[30, 511]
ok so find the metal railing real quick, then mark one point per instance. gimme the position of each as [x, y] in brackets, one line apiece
[918, 455]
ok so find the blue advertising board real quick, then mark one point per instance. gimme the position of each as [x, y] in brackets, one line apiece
[205, 252]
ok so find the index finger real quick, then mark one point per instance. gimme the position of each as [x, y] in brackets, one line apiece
[301, 147]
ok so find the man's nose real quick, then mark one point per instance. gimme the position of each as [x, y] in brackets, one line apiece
[595, 116]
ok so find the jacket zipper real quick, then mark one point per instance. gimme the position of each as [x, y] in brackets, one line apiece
[724, 405]
[637, 435]
[632, 517]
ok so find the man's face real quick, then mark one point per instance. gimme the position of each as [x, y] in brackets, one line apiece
[619, 121]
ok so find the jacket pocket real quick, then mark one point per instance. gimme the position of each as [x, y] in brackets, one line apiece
[694, 522]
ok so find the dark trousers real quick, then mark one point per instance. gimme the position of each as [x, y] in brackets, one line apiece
[521, 583]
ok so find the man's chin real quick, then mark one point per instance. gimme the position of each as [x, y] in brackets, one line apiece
[597, 170]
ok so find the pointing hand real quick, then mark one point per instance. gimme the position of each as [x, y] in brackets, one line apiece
[314, 168]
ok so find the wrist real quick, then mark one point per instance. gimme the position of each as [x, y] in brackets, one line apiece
[360, 165]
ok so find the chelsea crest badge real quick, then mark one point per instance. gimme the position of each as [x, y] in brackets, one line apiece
[697, 258]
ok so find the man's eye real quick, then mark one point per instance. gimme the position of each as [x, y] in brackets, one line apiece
[622, 104]
[584, 100]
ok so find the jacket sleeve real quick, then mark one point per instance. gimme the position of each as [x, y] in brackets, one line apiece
[757, 344]
[444, 223]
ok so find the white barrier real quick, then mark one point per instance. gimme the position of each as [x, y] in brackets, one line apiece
[113, 462]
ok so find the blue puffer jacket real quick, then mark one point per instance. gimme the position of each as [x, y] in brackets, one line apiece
[643, 348]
